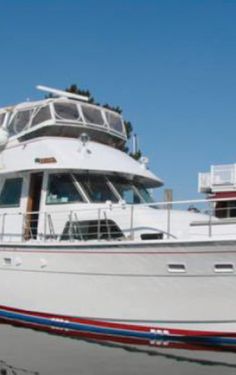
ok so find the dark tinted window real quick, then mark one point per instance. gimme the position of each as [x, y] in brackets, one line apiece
[43, 114]
[67, 111]
[96, 188]
[11, 192]
[92, 115]
[114, 122]
[19, 122]
[126, 190]
[144, 193]
[61, 189]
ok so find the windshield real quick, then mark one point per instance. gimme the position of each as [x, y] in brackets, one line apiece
[96, 188]
[68, 188]
[61, 189]
[144, 193]
[126, 190]
[131, 192]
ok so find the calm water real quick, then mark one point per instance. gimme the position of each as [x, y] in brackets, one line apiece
[24, 351]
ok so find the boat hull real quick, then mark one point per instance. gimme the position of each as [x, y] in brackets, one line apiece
[124, 290]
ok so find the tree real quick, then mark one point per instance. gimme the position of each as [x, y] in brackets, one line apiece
[128, 126]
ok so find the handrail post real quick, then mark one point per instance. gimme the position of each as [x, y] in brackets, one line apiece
[23, 228]
[45, 226]
[168, 220]
[132, 222]
[70, 225]
[3, 226]
[210, 220]
[99, 225]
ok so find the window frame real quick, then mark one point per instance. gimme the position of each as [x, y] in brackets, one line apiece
[75, 185]
[93, 124]
[57, 117]
[12, 205]
[131, 184]
[84, 190]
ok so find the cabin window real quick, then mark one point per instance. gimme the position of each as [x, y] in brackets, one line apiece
[92, 115]
[66, 111]
[11, 192]
[62, 189]
[223, 267]
[144, 193]
[91, 230]
[19, 122]
[114, 122]
[151, 236]
[177, 267]
[42, 114]
[225, 209]
[126, 190]
[96, 188]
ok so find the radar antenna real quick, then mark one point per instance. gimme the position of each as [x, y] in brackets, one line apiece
[62, 93]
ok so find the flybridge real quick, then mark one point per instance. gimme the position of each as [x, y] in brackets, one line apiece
[65, 114]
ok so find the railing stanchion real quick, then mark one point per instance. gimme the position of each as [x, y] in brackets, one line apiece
[45, 226]
[70, 225]
[99, 225]
[168, 220]
[23, 228]
[132, 222]
[210, 220]
[3, 226]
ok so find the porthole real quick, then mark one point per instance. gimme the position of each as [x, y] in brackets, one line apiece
[224, 267]
[177, 267]
[7, 261]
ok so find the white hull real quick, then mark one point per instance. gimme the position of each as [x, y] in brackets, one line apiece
[125, 284]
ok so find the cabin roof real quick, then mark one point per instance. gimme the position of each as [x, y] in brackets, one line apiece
[62, 154]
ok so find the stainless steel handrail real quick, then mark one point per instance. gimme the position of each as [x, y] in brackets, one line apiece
[99, 223]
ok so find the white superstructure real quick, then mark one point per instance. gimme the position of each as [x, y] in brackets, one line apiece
[83, 243]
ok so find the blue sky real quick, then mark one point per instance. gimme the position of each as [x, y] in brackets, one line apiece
[170, 64]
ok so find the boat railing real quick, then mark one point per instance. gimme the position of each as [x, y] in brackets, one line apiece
[188, 219]
[220, 178]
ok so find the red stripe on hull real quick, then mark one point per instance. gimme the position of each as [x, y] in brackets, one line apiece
[124, 326]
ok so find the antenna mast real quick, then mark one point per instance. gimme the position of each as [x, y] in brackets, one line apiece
[62, 93]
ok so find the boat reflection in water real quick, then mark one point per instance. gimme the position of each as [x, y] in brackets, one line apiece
[7, 369]
[181, 352]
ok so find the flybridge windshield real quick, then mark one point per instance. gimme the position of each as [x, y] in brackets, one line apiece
[23, 119]
[63, 112]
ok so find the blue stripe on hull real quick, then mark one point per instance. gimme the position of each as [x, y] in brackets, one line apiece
[74, 326]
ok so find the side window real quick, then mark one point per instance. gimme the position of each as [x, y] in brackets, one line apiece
[11, 192]
[61, 189]
[19, 122]
[42, 114]
[92, 115]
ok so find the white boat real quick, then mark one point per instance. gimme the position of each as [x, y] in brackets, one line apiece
[84, 246]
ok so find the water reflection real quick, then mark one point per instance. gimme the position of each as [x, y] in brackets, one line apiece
[33, 350]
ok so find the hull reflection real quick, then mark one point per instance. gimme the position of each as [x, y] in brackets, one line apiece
[185, 350]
